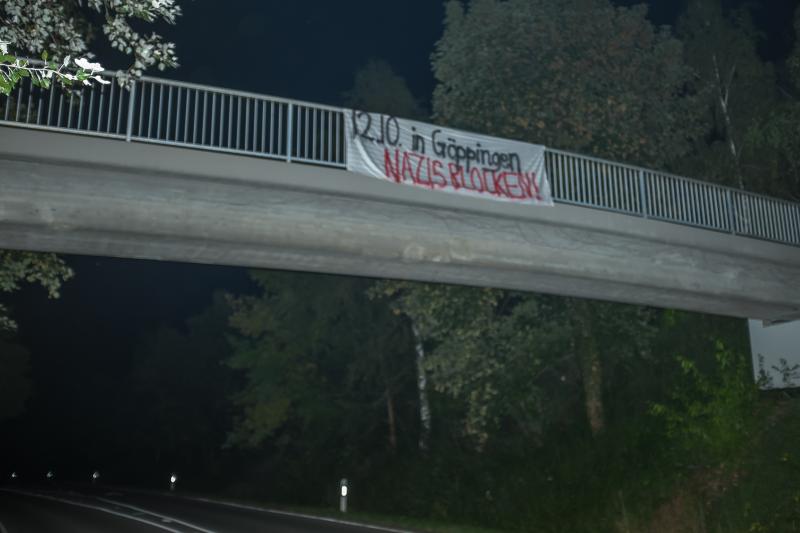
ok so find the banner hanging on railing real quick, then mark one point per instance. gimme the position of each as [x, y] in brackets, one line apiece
[428, 156]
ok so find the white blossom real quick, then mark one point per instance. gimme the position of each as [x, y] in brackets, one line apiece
[85, 64]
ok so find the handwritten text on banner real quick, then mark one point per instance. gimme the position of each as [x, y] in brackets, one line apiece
[424, 155]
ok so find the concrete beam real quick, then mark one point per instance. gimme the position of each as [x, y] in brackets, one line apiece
[88, 195]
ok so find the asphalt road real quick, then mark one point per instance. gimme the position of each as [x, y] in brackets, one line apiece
[98, 511]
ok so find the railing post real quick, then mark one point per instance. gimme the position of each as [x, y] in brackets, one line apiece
[289, 132]
[644, 204]
[731, 212]
[131, 100]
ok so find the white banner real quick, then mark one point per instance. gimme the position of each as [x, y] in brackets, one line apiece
[428, 156]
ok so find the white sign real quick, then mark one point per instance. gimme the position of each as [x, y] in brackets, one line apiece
[776, 354]
[424, 155]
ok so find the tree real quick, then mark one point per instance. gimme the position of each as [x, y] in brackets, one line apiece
[581, 75]
[773, 137]
[776, 138]
[513, 359]
[377, 88]
[738, 89]
[327, 382]
[319, 358]
[59, 29]
[483, 354]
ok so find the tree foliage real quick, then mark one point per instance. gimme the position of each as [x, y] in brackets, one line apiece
[708, 416]
[65, 28]
[581, 75]
[378, 89]
[773, 137]
[588, 76]
[17, 267]
[485, 353]
[14, 69]
[318, 354]
[58, 30]
[737, 87]
[510, 358]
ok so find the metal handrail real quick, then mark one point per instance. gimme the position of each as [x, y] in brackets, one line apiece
[176, 113]
[234, 92]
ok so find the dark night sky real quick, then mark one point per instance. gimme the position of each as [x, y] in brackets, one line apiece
[306, 50]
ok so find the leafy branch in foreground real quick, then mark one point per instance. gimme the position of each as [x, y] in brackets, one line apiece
[66, 27]
[14, 69]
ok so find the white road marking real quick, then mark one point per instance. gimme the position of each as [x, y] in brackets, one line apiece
[3, 528]
[297, 515]
[165, 518]
[95, 507]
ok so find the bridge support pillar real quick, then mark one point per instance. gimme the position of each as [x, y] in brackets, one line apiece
[775, 348]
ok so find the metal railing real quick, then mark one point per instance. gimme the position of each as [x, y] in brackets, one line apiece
[184, 114]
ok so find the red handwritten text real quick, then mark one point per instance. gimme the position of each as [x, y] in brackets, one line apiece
[402, 166]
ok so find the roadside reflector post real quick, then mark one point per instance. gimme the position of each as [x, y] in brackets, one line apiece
[343, 495]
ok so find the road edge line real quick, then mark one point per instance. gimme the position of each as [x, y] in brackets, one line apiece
[297, 515]
[161, 516]
[89, 506]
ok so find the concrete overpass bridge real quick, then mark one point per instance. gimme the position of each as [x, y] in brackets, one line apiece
[181, 172]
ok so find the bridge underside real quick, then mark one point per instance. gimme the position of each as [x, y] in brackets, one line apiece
[95, 196]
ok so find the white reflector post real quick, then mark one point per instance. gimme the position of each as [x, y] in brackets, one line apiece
[343, 495]
[776, 354]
